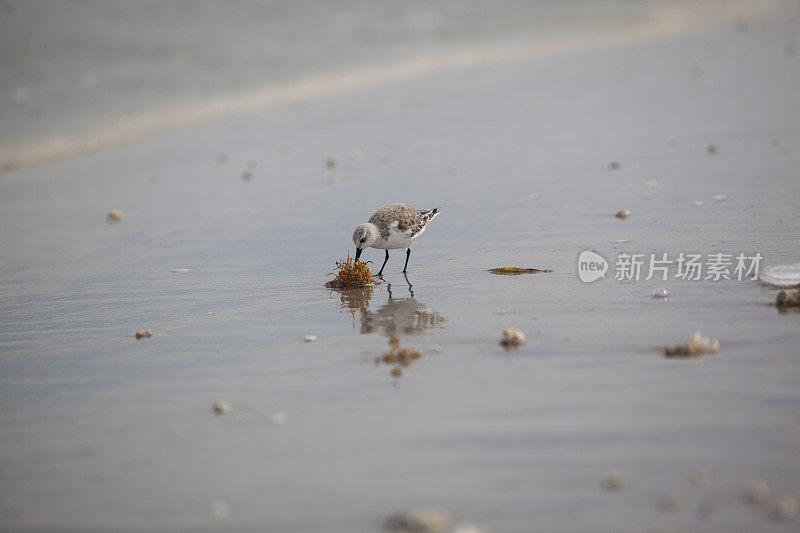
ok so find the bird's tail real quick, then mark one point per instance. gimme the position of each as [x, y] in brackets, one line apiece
[428, 214]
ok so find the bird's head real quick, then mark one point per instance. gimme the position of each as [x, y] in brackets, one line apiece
[365, 236]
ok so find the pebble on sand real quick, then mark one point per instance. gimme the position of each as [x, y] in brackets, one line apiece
[757, 492]
[332, 162]
[672, 501]
[784, 509]
[699, 476]
[615, 165]
[699, 345]
[114, 216]
[713, 148]
[615, 481]
[422, 520]
[221, 407]
[788, 298]
[660, 293]
[623, 214]
[513, 338]
[143, 334]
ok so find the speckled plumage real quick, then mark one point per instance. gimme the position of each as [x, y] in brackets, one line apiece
[408, 220]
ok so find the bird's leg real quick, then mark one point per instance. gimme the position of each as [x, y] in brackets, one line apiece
[380, 272]
[408, 254]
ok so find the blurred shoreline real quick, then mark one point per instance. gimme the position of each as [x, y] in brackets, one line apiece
[70, 92]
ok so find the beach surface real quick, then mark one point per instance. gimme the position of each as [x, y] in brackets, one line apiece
[231, 219]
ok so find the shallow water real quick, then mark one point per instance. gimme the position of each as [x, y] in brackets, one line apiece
[99, 430]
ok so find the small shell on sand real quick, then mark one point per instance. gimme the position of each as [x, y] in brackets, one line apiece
[757, 492]
[143, 334]
[699, 476]
[221, 407]
[332, 162]
[672, 501]
[699, 345]
[784, 509]
[781, 275]
[114, 216]
[788, 298]
[623, 214]
[180, 270]
[615, 481]
[309, 338]
[513, 338]
[422, 520]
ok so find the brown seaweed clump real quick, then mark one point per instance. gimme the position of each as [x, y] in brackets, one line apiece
[399, 357]
[352, 273]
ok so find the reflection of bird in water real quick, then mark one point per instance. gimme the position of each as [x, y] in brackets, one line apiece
[401, 315]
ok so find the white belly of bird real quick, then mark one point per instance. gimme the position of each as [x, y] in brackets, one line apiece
[397, 239]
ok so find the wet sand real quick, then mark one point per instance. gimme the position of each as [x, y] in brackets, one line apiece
[99, 430]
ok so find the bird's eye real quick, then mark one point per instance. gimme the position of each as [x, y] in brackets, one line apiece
[363, 240]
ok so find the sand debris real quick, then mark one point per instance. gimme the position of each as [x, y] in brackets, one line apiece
[673, 500]
[623, 214]
[615, 165]
[699, 345]
[221, 407]
[513, 339]
[332, 162]
[788, 298]
[309, 338]
[114, 216]
[721, 198]
[712, 148]
[784, 509]
[279, 419]
[614, 481]
[180, 270]
[699, 476]
[220, 509]
[697, 203]
[422, 520]
[757, 492]
[143, 334]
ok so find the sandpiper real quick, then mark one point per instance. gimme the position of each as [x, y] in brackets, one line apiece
[392, 226]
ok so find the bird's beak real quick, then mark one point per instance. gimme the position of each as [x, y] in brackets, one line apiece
[358, 253]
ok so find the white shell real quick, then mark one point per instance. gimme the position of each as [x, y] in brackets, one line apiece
[781, 275]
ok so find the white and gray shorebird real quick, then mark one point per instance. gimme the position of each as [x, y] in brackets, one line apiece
[390, 227]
